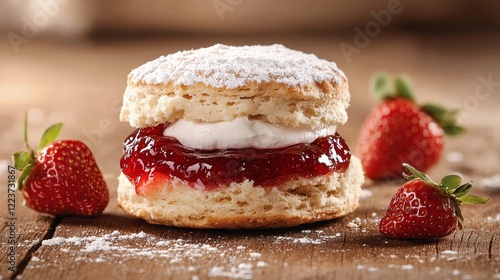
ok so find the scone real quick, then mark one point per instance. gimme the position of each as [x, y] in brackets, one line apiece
[237, 137]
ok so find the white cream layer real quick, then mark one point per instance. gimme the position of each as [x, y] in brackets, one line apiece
[241, 133]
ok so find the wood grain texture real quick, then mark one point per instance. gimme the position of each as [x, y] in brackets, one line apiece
[347, 248]
[30, 229]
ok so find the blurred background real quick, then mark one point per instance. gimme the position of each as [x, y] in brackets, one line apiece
[73, 19]
[67, 60]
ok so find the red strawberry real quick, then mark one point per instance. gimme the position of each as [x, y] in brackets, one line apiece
[399, 131]
[424, 209]
[62, 178]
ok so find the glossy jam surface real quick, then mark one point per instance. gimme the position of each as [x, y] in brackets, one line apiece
[149, 155]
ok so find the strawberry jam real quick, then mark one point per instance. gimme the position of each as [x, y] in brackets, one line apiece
[148, 154]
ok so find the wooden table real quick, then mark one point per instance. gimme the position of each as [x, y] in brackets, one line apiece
[81, 83]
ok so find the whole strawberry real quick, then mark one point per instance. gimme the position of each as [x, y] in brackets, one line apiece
[399, 131]
[423, 209]
[61, 178]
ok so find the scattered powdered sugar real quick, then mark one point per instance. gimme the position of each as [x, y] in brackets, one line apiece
[262, 264]
[493, 219]
[236, 262]
[317, 237]
[99, 245]
[407, 267]
[255, 255]
[354, 223]
[54, 241]
[364, 224]
[303, 240]
[491, 183]
[449, 252]
[222, 66]
[454, 156]
[242, 271]
[93, 243]
[369, 269]
[365, 194]
[115, 246]
[141, 234]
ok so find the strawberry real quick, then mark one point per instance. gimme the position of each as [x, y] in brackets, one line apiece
[398, 131]
[61, 178]
[423, 209]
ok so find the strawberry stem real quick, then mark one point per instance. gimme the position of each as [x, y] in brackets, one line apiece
[25, 161]
[415, 174]
[25, 134]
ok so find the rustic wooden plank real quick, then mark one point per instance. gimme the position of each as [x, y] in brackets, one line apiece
[120, 247]
[29, 229]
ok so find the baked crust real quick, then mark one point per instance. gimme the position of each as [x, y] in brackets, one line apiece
[295, 202]
[287, 88]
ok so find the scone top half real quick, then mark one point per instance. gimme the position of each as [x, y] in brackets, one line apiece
[273, 84]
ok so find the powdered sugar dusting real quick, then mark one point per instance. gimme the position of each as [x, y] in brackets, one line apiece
[492, 183]
[494, 218]
[222, 66]
[365, 194]
[115, 246]
[242, 271]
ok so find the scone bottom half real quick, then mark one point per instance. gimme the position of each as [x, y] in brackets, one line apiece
[167, 182]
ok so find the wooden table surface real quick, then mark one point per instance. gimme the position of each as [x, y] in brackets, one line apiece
[81, 83]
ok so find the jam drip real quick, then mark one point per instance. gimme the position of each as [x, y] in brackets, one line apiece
[149, 154]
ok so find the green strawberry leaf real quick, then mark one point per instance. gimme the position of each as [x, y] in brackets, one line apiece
[473, 199]
[21, 159]
[453, 130]
[50, 135]
[451, 182]
[434, 110]
[403, 87]
[462, 190]
[445, 118]
[24, 175]
[380, 85]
